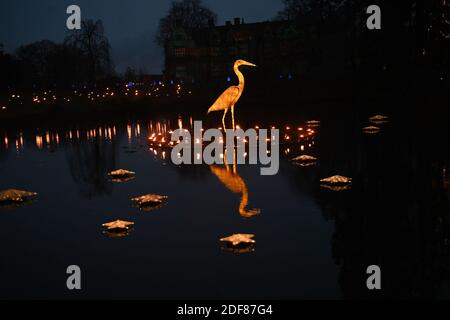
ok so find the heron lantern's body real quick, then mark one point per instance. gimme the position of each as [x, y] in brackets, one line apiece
[230, 97]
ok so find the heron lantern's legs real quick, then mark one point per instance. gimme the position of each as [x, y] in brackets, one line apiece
[223, 120]
[232, 115]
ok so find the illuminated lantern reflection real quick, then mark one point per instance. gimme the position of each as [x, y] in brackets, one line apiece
[234, 182]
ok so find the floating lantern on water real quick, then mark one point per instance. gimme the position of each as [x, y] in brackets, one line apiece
[241, 239]
[336, 183]
[160, 141]
[379, 119]
[118, 228]
[150, 202]
[334, 180]
[305, 160]
[15, 197]
[371, 130]
[313, 123]
[121, 175]
[120, 225]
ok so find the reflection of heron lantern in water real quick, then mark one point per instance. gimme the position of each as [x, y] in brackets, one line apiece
[230, 96]
[236, 184]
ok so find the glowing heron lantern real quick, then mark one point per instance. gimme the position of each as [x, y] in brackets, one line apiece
[230, 97]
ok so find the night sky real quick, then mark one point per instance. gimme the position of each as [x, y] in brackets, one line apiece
[130, 25]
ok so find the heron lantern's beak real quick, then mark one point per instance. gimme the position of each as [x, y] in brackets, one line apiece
[249, 64]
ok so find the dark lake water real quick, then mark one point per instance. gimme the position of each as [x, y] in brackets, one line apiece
[310, 242]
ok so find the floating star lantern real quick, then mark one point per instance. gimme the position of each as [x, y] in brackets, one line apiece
[336, 183]
[313, 123]
[150, 202]
[336, 180]
[121, 175]
[305, 160]
[379, 119]
[118, 226]
[239, 239]
[15, 196]
[371, 129]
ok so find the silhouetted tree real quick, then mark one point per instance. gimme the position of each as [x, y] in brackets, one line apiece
[34, 58]
[45, 63]
[189, 14]
[320, 9]
[89, 163]
[130, 74]
[9, 67]
[91, 40]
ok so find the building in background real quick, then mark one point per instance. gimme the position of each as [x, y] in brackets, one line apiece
[207, 55]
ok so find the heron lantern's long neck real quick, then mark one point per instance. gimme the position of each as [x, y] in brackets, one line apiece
[240, 77]
[244, 200]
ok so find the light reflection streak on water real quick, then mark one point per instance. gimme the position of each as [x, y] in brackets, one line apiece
[158, 135]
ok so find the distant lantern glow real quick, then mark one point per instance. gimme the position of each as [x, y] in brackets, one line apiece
[129, 131]
[39, 142]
